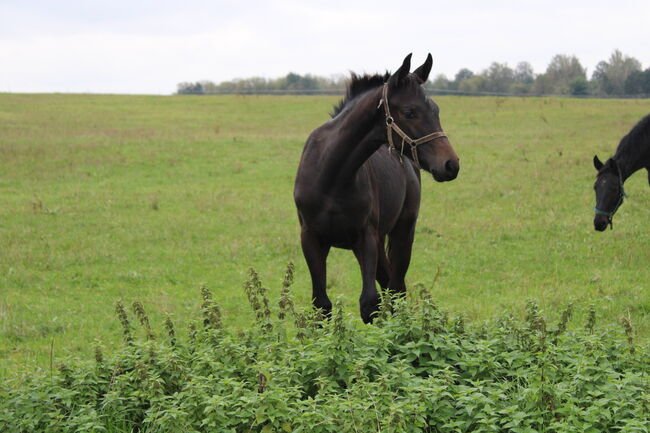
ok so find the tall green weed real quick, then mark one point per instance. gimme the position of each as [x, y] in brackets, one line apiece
[415, 370]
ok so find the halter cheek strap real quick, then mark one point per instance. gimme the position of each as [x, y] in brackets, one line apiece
[392, 126]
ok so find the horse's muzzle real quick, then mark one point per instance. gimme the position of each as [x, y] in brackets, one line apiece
[452, 167]
[450, 171]
[601, 222]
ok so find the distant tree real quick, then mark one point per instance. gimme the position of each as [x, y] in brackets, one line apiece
[499, 77]
[543, 85]
[190, 89]
[475, 84]
[579, 87]
[524, 73]
[524, 78]
[332, 83]
[599, 77]
[208, 87]
[253, 84]
[461, 75]
[308, 82]
[337, 81]
[520, 88]
[610, 76]
[292, 80]
[565, 68]
[560, 73]
[441, 82]
[638, 83]
[299, 82]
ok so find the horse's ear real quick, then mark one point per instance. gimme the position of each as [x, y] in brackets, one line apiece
[597, 163]
[423, 71]
[398, 77]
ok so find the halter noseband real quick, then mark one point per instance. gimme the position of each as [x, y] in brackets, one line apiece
[392, 126]
[621, 196]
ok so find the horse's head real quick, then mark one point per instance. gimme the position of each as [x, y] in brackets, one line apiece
[416, 126]
[609, 192]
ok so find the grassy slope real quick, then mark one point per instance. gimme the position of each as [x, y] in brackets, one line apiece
[145, 198]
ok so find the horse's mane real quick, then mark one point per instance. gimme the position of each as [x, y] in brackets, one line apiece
[357, 85]
[636, 139]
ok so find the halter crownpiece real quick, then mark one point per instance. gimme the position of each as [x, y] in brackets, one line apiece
[392, 126]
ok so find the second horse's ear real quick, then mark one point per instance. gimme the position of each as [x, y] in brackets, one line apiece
[423, 71]
[398, 77]
[597, 163]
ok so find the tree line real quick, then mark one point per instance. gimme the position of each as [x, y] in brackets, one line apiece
[292, 82]
[619, 75]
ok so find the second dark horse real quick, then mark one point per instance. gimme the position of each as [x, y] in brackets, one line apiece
[632, 154]
[358, 181]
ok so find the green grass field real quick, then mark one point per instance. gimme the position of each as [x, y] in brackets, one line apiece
[148, 197]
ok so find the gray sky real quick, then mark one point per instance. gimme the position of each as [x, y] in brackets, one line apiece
[147, 46]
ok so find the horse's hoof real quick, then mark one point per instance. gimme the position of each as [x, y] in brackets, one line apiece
[324, 310]
[369, 309]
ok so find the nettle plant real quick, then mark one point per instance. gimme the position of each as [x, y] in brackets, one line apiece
[414, 370]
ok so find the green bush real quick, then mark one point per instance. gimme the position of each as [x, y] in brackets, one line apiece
[414, 370]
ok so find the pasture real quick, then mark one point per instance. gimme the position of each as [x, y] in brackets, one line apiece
[149, 197]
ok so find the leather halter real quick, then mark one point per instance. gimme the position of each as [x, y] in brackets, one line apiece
[622, 195]
[392, 126]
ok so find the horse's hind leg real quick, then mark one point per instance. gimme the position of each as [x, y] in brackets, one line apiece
[400, 243]
[315, 253]
[383, 266]
[366, 251]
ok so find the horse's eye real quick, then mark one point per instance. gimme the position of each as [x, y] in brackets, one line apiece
[409, 114]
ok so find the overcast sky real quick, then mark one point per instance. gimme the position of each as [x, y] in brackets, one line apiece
[149, 46]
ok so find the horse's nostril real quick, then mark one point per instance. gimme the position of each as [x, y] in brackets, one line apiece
[452, 166]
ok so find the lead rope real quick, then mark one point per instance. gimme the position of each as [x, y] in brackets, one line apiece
[392, 126]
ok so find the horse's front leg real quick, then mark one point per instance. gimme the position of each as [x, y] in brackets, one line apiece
[366, 252]
[315, 253]
[383, 266]
[400, 242]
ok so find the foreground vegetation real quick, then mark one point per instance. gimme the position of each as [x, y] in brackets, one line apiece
[147, 198]
[416, 370]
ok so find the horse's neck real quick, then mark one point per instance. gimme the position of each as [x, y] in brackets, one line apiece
[629, 161]
[355, 137]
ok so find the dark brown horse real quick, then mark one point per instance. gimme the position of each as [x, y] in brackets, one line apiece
[632, 154]
[358, 181]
